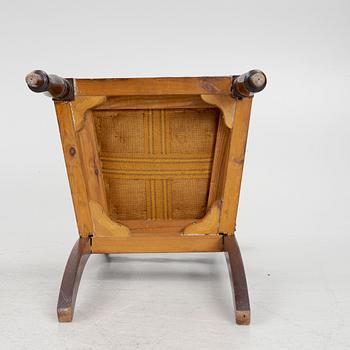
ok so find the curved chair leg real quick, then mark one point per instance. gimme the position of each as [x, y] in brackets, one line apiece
[71, 279]
[238, 280]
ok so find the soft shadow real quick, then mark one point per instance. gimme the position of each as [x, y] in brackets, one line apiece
[126, 259]
[115, 267]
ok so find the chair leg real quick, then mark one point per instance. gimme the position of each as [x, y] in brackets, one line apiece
[238, 280]
[71, 279]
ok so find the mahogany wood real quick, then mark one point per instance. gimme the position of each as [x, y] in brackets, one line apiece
[238, 280]
[246, 85]
[60, 89]
[71, 279]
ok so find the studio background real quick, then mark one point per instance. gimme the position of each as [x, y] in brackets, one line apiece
[293, 220]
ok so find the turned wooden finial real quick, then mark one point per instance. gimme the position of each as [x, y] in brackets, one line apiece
[246, 85]
[60, 89]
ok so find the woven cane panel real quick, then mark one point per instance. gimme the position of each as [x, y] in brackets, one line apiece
[115, 133]
[189, 198]
[192, 131]
[124, 196]
[157, 163]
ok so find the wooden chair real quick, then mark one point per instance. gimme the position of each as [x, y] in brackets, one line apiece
[154, 165]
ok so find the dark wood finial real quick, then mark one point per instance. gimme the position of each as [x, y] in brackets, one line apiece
[246, 85]
[60, 89]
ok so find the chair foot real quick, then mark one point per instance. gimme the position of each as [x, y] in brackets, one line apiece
[242, 317]
[238, 280]
[71, 279]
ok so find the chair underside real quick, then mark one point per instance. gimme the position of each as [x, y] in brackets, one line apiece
[154, 165]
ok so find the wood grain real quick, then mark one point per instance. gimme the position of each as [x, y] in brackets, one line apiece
[208, 225]
[103, 225]
[154, 102]
[234, 166]
[155, 243]
[91, 162]
[225, 103]
[218, 168]
[153, 86]
[81, 105]
[71, 151]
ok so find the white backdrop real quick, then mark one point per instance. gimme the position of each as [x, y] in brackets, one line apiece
[293, 224]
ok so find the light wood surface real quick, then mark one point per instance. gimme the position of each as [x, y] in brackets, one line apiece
[156, 243]
[103, 225]
[160, 226]
[71, 151]
[225, 103]
[154, 102]
[208, 225]
[153, 86]
[219, 163]
[92, 163]
[234, 166]
[86, 135]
